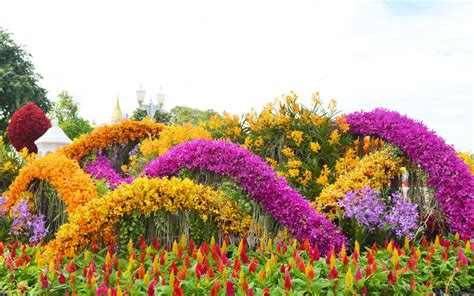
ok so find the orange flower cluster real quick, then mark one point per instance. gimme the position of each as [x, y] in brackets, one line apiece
[74, 186]
[104, 136]
[145, 195]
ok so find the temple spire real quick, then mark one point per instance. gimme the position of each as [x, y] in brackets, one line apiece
[117, 114]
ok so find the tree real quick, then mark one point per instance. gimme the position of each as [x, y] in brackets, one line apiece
[161, 115]
[18, 80]
[66, 111]
[183, 114]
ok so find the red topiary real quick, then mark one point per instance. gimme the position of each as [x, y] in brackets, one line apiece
[27, 124]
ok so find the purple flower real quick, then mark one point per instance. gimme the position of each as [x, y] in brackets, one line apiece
[403, 216]
[366, 207]
[255, 176]
[448, 174]
[101, 168]
[21, 215]
[37, 224]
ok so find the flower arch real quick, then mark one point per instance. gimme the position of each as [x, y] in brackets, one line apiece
[448, 174]
[145, 195]
[104, 136]
[74, 186]
[286, 205]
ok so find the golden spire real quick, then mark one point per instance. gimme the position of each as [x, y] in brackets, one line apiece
[117, 114]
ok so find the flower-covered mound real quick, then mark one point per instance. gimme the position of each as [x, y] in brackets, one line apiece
[104, 136]
[96, 220]
[73, 185]
[448, 174]
[254, 175]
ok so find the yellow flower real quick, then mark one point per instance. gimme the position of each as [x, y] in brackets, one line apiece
[258, 142]
[146, 195]
[294, 164]
[288, 152]
[332, 105]
[297, 137]
[293, 173]
[315, 147]
[7, 165]
[334, 137]
[215, 122]
[272, 162]
[323, 179]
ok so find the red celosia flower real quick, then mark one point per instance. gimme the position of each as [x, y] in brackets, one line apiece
[462, 258]
[253, 265]
[215, 288]
[230, 288]
[102, 291]
[412, 284]
[287, 281]
[61, 279]
[266, 292]
[333, 274]
[245, 286]
[392, 278]
[358, 274]
[44, 281]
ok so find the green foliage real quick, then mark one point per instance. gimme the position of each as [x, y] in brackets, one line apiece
[161, 115]
[10, 164]
[18, 80]
[66, 110]
[183, 114]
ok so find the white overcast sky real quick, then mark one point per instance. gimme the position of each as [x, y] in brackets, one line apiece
[414, 57]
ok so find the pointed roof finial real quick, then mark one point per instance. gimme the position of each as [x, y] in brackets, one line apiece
[117, 113]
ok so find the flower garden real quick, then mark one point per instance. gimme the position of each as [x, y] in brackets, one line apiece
[291, 200]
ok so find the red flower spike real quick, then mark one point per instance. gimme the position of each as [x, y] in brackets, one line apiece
[186, 260]
[444, 255]
[141, 272]
[385, 245]
[215, 288]
[101, 291]
[424, 243]
[392, 278]
[210, 272]
[62, 279]
[180, 252]
[156, 244]
[250, 292]
[177, 291]
[314, 256]
[253, 265]
[44, 281]
[345, 260]
[287, 281]
[374, 248]
[462, 258]
[333, 274]
[368, 271]
[266, 292]
[229, 289]
[358, 274]
[245, 286]
[282, 268]
[412, 284]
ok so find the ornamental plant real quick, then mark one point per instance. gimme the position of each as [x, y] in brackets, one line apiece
[302, 143]
[448, 174]
[223, 268]
[255, 176]
[26, 126]
[373, 217]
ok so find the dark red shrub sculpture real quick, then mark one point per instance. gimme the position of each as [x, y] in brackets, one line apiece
[27, 124]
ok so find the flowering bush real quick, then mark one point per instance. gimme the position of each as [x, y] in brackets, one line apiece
[94, 223]
[26, 126]
[104, 136]
[74, 186]
[448, 175]
[286, 205]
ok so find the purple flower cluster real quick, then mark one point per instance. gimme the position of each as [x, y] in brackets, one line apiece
[254, 175]
[24, 221]
[403, 216]
[448, 174]
[101, 169]
[368, 208]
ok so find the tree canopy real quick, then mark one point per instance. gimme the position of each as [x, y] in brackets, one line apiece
[66, 110]
[18, 80]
